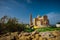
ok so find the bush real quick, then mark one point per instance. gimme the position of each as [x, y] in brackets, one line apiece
[11, 25]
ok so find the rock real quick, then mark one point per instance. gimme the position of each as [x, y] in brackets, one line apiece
[40, 38]
[26, 34]
[23, 38]
[32, 37]
[45, 39]
[39, 35]
[21, 34]
[47, 35]
[36, 35]
[34, 32]
[53, 35]
[14, 35]
[8, 38]
[56, 33]
[5, 38]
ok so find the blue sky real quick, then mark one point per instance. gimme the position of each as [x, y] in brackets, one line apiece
[21, 9]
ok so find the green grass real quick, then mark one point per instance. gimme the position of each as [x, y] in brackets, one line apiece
[47, 29]
[42, 29]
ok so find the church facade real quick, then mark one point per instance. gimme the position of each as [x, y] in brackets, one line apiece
[39, 21]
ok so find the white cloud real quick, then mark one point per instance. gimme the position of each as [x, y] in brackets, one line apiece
[53, 17]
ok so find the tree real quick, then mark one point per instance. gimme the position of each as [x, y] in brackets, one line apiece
[2, 23]
[10, 25]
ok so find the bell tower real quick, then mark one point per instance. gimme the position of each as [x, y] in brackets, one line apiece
[30, 19]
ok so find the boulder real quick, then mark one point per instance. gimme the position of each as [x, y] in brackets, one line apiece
[56, 33]
[26, 34]
[34, 32]
[47, 35]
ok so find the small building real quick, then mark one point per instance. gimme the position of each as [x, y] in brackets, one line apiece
[39, 21]
[58, 24]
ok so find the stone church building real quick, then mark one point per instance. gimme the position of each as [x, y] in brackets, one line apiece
[39, 21]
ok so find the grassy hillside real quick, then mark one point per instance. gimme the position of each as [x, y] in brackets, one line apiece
[42, 29]
[48, 29]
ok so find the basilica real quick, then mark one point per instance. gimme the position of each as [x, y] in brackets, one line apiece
[39, 21]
